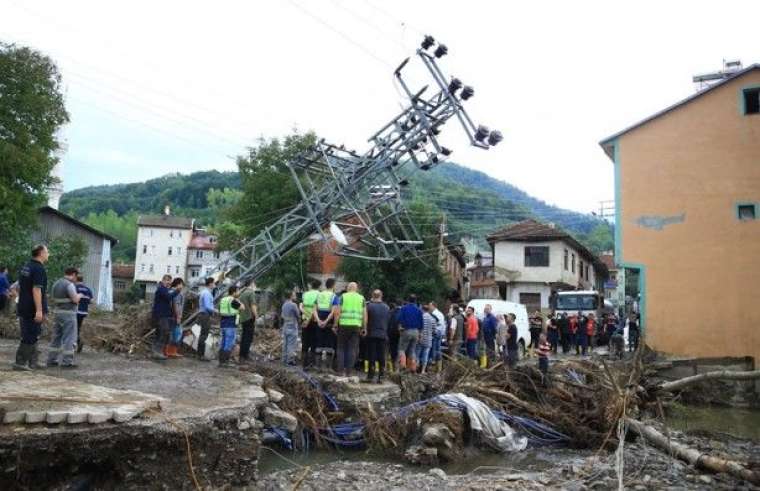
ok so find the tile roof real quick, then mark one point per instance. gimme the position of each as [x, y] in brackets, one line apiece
[123, 271]
[202, 241]
[166, 221]
[608, 260]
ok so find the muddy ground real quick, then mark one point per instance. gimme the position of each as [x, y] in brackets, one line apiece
[645, 468]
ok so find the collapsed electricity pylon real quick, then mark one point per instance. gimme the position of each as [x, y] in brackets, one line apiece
[359, 196]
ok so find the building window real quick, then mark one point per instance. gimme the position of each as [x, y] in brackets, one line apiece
[108, 263]
[216, 255]
[179, 251]
[580, 269]
[537, 256]
[180, 234]
[212, 239]
[176, 270]
[150, 270]
[153, 250]
[168, 270]
[119, 285]
[199, 254]
[752, 100]
[572, 264]
[151, 232]
[142, 268]
[587, 271]
[746, 211]
[567, 259]
[145, 249]
[170, 250]
[194, 273]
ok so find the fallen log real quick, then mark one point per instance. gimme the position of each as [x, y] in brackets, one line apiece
[716, 375]
[692, 456]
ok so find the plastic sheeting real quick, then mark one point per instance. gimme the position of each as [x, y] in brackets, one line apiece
[491, 430]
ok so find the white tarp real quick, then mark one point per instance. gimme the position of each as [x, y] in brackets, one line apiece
[492, 431]
[212, 342]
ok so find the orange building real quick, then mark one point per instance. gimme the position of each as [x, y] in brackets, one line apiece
[687, 194]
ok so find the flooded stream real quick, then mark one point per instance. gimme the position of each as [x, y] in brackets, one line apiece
[740, 423]
[530, 460]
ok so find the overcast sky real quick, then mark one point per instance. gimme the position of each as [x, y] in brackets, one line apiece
[155, 87]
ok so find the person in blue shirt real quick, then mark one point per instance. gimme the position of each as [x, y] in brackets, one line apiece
[163, 314]
[82, 309]
[205, 311]
[490, 325]
[410, 324]
[4, 287]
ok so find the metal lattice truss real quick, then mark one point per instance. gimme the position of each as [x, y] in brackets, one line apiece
[356, 199]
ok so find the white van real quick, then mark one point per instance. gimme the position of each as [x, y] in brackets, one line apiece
[502, 307]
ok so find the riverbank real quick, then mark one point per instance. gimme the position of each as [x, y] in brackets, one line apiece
[645, 468]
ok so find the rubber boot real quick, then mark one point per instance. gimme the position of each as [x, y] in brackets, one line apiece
[23, 355]
[34, 359]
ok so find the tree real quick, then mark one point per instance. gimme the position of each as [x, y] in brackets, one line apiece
[31, 113]
[402, 276]
[122, 227]
[600, 239]
[65, 252]
[268, 191]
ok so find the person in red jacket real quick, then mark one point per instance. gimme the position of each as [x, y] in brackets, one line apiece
[573, 330]
[590, 333]
[471, 326]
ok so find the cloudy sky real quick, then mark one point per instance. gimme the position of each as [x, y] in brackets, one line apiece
[160, 87]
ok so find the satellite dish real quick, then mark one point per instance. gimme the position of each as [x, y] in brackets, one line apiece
[338, 234]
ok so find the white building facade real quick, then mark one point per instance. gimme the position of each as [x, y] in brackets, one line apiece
[532, 261]
[162, 248]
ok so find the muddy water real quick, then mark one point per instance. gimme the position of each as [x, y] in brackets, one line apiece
[741, 423]
[530, 460]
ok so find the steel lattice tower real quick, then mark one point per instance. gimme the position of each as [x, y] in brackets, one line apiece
[360, 195]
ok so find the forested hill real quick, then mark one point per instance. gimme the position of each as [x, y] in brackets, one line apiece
[475, 204]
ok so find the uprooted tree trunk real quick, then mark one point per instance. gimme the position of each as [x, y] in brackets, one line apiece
[716, 375]
[690, 455]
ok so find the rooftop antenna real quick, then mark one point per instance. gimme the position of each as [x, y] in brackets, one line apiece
[705, 80]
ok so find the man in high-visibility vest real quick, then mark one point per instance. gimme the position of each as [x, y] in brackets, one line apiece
[325, 313]
[351, 321]
[309, 326]
[228, 311]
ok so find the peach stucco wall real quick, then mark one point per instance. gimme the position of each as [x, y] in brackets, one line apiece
[702, 274]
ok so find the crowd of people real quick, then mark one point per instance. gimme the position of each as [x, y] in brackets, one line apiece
[341, 332]
[70, 299]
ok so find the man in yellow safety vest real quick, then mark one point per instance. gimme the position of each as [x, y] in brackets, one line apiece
[309, 326]
[351, 321]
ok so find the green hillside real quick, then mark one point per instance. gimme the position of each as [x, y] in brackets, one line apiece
[474, 202]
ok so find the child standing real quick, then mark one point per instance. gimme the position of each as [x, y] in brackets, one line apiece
[544, 349]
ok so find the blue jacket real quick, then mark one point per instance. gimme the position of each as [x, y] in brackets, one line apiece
[162, 302]
[410, 316]
[490, 324]
[4, 285]
[84, 303]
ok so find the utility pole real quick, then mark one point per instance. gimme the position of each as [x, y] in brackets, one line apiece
[357, 197]
[606, 209]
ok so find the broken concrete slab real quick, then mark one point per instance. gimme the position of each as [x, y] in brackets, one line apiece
[32, 398]
[277, 418]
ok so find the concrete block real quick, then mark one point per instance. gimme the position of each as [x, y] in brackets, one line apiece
[35, 416]
[125, 413]
[99, 416]
[77, 416]
[276, 418]
[13, 417]
[275, 396]
[55, 417]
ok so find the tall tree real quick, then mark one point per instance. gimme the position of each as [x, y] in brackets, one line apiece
[420, 275]
[268, 192]
[31, 113]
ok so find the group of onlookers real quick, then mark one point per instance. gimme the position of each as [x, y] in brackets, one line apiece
[70, 299]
